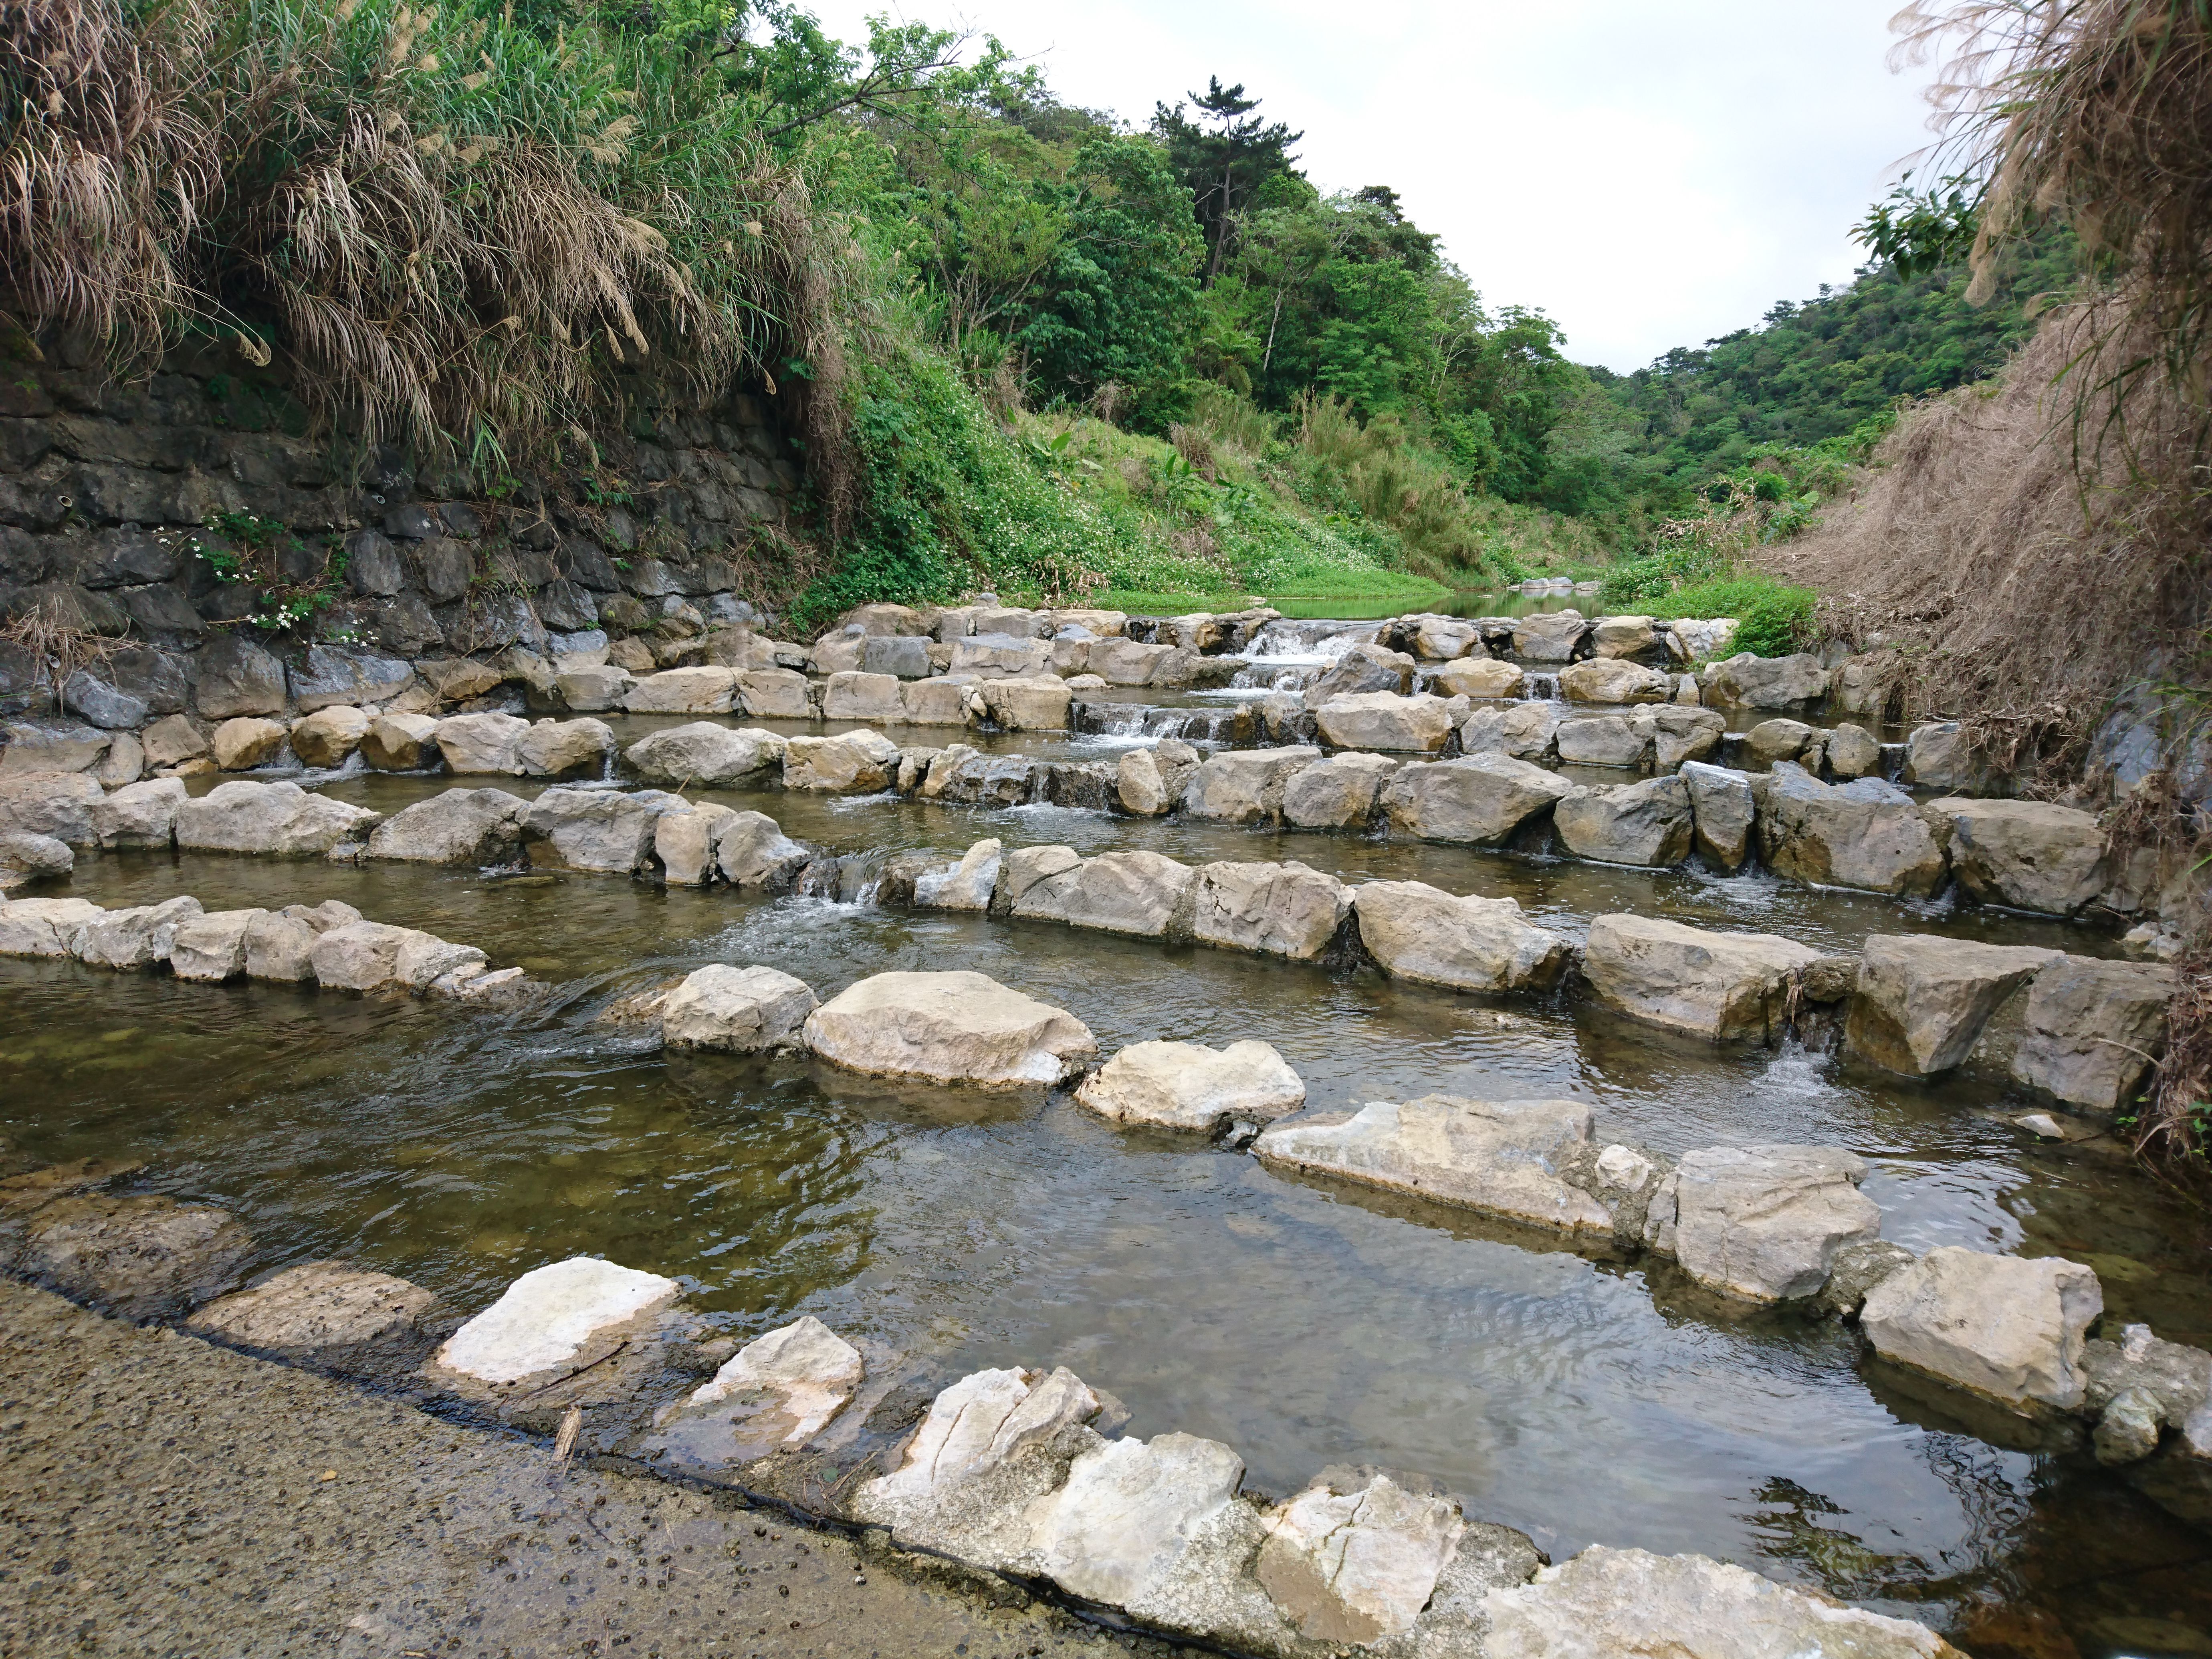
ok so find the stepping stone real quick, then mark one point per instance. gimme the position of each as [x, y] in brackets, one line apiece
[955, 1027]
[2005, 1327]
[1187, 1085]
[1922, 1000]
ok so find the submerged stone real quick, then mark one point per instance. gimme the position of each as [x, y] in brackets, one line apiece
[323, 1312]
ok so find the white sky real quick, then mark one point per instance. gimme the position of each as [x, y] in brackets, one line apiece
[1651, 173]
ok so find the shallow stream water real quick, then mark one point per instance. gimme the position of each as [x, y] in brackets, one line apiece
[1583, 1398]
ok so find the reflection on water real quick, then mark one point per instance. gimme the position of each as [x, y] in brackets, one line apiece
[1581, 1397]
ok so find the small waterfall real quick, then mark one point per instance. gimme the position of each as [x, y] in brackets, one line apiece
[1271, 675]
[1310, 643]
[1541, 688]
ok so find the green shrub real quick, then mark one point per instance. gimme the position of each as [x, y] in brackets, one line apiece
[1775, 619]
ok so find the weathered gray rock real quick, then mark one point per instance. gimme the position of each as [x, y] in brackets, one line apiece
[328, 737]
[42, 926]
[53, 746]
[1646, 823]
[2030, 854]
[55, 803]
[237, 677]
[857, 697]
[751, 851]
[1624, 636]
[362, 956]
[2094, 1030]
[684, 841]
[1679, 734]
[1422, 934]
[274, 819]
[136, 1258]
[1358, 1562]
[1337, 793]
[1609, 679]
[934, 701]
[140, 937]
[2128, 1430]
[1500, 1157]
[600, 830]
[859, 763]
[1188, 1085]
[475, 827]
[1526, 731]
[1025, 703]
[211, 947]
[775, 1393]
[966, 775]
[1726, 988]
[326, 1313]
[703, 690]
[956, 1027]
[481, 742]
[593, 688]
[1865, 833]
[549, 1318]
[737, 1010]
[1856, 1269]
[27, 857]
[1852, 751]
[1939, 756]
[2005, 1327]
[1144, 895]
[400, 743]
[1776, 740]
[170, 741]
[1270, 909]
[1244, 785]
[1365, 667]
[1604, 740]
[280, 945]
[242, 743]
[1721, 811]
[124, 762]
[1612, 1603]
[1748, 682]
[1149, 782]
[706, 754]
[1923, 1000]
[773, 693]
[1549, 636]
[329, 676]
[1480, 676]
[1479, 800]
[2177, 1377]
[1762, 1223]
[557, 749]
[1386, 720]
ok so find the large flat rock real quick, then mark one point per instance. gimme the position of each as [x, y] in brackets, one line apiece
[1284, 910]
[2094, 1029]
[953, 1027]
[1142, 894]
[1923, 1000]
[1188, 1085]
[1500, 1157]
[1762, 1223]
[1863, 834]
[1726, 988]
[274, 819]
[2029, 854]
[2005, 1327]
[1647, 824]
[1479, 800]
[1422, 934]
[320, 1312]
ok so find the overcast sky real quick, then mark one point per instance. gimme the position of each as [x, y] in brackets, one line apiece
[1652, 175]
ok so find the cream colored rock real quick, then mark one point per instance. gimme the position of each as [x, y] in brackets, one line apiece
[706, 754]
[2029, 854]
[56, 803]
[934, 702]
[481, 742]
[1337, 793]
[751, 851]
[1528, 731]
[956, 1027]
[42, 928]
[1026, 705]
[774, 693]
[1607, 679]
[1480, 676]
[554, 749]
[684, 841]
[857, 697]
[1480, 799]
[1188, 1085]
[1865, 833]
[360, 956]
[139, 814]
[2005, 1327]
[706, 689]
[477, 827]
[1500, 1156]
[1284, 910]
[248, 741]
[280, 819]
[1762, 1223]
[592, 687]
[143, 936]
[328, 737]
[544, 1319]
[1357, 1564]
[798, 1377]
[1385, 720]
[1149, 782]
[1143, 895]
[1923, 1000]
[600, 829]
[317, 1311]
[858, 763]
[1549, 636]
[1244, 785]
[737, 1010]
[1726, 988]
[1647, 824]
[171, 740]
[1130, 1510]
[1852, 751]
[1422, 934]
[1441, 639]
[1721, 808]
[210, 948]
[1623, 636]
[1604, 740]
[400, 743]
[1628, 1604]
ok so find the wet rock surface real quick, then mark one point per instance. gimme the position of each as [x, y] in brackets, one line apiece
[1188, 1085]
[956, 1027]
[2002, 1325]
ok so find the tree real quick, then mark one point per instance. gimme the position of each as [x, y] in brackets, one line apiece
[1225, 162]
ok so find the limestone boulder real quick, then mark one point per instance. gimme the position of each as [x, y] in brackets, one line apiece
[1647, 824]
[1677, 734]
[706, 689]
[953, 1027]
[1364, 668]
[1610, 679]
[1940, 755]
[1439, 639]
[53, 746]
[210, 948]
[1604, 740]
[683, 842]
[1188, 1085]
[1149, 782]
[1721, 812]
[904, 657]
[2005, 1327]
[1244, 785]
[478, 828]
[1143, 895]
[857, 697]
[1130, 1512]
[237, 677]
[737, 1010]
[751, 851]
[362, 956]
[136, 1258]
[171, 741]
[1852, 751]
[598, 830]
[1000, 656]
[2028, 854]
[860, 762]
[1337, 793]
[139, 814]
[1283, 910]
[274, 819]
[1864, 834]
[1621, 1602]
[1422, 934]
[280, 945]
[767, 693]
[55, 803]
[1351, 1561]
[1385, 720]
[401, 743]
[934, 702]
[1038, 704]
[960, 773]
[2094, 1029]
[1502, 1157]
[481, 742]
[1923, 1000]
[1478, 799]
[1762, 1223]
[1745, 681]
[25, 858]
[965, 884]
[241, 744]
[142, 936]
[329, 1314]
[593, 688]
[42, 928]
[1776, 740]
[1480, 676]
[1549, 636]
[1527, 730]
[1617, 637]
[1124, 661]
[1724, 988]
[708, 755]
[548, 1319]
[558, 749]
[775, 1393]
[328, 738]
